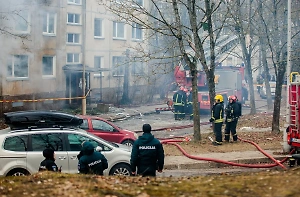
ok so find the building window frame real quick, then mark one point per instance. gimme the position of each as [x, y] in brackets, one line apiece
[52, 60]
[46, 27]
[74, 38]
[137, 31]
[22, 21]
[73, 17]
[74, 57]
[15, 61]
[137, 67]
[75, 2]
[119, 30]
[118, 65]
[98, 63]
[98, 33]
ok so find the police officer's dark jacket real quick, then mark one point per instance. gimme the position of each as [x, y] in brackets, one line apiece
[147, 154]
[49, 162]
[48, 165]
[91, 162]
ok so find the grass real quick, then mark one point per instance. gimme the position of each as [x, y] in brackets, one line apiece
[263, 184]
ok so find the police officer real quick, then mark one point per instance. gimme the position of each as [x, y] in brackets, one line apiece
[217, 115]
[91, 162]
[232, 112]
[179, 100]
[48, 164]
[147, 154]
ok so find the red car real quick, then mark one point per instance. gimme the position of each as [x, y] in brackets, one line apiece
[106, 130]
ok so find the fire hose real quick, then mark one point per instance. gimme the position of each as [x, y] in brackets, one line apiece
[173, 141]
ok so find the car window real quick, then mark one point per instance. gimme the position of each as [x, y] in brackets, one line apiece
[101, 125]
[84, 125]
[47, 140]
[16, 143]
[75, 141]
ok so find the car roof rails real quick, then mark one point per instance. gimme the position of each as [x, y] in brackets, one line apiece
[40, 119]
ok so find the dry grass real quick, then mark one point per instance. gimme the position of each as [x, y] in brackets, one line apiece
[263, 184]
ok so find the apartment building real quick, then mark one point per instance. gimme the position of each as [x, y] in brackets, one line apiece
[60, 41]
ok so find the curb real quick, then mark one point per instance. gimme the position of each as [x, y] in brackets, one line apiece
[209, 164]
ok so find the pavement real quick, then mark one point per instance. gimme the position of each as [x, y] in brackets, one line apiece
[206, 164]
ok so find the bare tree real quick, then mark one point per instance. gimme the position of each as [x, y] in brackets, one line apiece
[183, 21]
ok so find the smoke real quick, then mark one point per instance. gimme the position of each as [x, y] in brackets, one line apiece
[20, 25]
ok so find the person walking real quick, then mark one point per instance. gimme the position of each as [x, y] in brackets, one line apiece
[91, 162]
[147, 154]
[232, 112]
[179, 100]
[217, 115]
[48, 164]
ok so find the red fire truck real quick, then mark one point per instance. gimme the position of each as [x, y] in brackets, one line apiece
[229, 80]
[293, 132]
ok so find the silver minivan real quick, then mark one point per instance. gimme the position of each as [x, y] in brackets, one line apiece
[21, 150]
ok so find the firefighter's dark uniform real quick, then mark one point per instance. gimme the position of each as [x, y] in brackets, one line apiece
[91, 162]
[179, 100]
[217, 116]
[190, 105]
[147, 154]
[232, 112]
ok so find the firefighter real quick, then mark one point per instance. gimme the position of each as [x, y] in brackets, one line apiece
[217, 115]
[232, 112]
[190, 104]
[179, 100]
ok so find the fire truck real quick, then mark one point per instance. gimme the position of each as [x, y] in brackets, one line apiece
[229, 80]
[293, 132]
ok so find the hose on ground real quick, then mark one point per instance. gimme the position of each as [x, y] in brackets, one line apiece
[173, 142]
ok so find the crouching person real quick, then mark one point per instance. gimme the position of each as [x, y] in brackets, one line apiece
[91, 162]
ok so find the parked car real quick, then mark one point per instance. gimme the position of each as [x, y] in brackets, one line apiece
[21, 149]
[107, 130]
[263, 92]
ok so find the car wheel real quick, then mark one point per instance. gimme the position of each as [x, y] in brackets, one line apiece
[18, 172]
[128, 142]
[121, 169]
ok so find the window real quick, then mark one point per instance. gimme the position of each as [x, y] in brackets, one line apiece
[136, 31]
[98, 27]
[73, 18]
[97, 65]
[76, 140]
[138, 3]
[16, 143]
[102, 126]
[118, 65]
[77, 2]
[137, 68]
[118, 30]
[72, 57]
[73, 38]
[17, 66]
[48, 66]
[84, 125]
[47, 140]
[49, 23]
[22, 22]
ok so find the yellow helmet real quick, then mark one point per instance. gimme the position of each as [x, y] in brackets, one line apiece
[219, 97]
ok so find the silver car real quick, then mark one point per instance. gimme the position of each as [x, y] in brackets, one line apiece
[21, 150]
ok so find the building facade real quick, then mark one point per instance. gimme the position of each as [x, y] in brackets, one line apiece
[54, 42]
